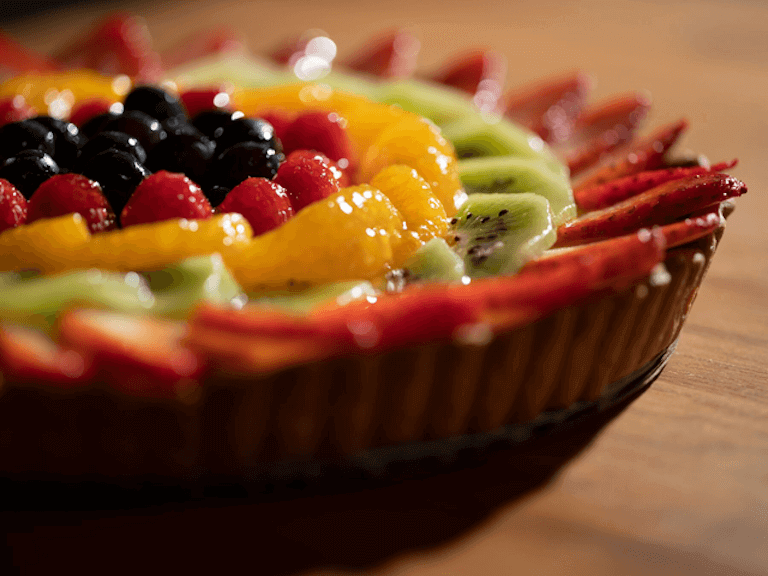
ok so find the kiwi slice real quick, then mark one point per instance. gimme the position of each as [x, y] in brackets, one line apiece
[509, 174]
[434, 101]
[309, 298]
[435, 260]
[477, 135]
[499, 233]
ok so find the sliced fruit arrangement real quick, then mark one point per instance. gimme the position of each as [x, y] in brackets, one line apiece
[435, 208]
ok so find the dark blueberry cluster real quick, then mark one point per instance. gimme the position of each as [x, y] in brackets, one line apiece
[216, 149]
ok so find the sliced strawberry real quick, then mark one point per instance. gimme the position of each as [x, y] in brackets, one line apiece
[13, 206]
[87, 109]
[658, 206]
[201, 99]
[604, 127]
[342, 176]
[265, 204]
[163, 196]
[30, 356]
[119, 44]
[138, 355]
[566, 277]
[307, 179]
[324, 132]
[17, 59]
[213, 42]
[693, 228]
[610, 193]
[393, 55]
[646, 155]
[551, 108]
[14, 110]
[67, 193]
[482, 73]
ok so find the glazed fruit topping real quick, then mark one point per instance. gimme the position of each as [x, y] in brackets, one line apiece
[28, 169]
[245, 160]
[110, 140]
[147, 130]
[66, 140]
[264, 203]
[307, 179]
[118, 173]
[25, 135]
[163, 196]
[13, 206]
[14, 109]
[323, 132]
[67, 193]
[155, 102]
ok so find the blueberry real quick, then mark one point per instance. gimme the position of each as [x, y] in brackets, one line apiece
[28, 169]
[244, 129]
[141, 126]
[155, 102]
[211, 122]
[67, 140]
[25, 135]
[118, 173]
[186, 151]
[109, 140]
[97, 124]
[216, 194]
[245, 160]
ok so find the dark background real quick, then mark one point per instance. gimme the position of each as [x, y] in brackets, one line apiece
[11, 10]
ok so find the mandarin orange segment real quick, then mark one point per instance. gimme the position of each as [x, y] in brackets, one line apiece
[349, 235]
[422, 211]
[416, 142]
[59, 244]
[55, 93]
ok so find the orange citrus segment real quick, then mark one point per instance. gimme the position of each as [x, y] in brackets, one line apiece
[55, 93]
[422, 211]
[416, 142]
[349, 235]
[64, 243]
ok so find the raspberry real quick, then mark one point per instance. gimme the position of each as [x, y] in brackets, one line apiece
[323, 132]
[200, 100]
[13, 206]
[307, 179]
[264, 204]
[87, 109]
[165, 195]
[14, 110]
[280, 122]
[341, 175]
[67, 193]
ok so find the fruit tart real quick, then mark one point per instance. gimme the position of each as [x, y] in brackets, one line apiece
[212, 263]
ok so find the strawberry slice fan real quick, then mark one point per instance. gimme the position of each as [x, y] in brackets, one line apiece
[365, 389]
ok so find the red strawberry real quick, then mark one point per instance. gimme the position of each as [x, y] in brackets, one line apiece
[87, 109]
[216, 41]
[165, 195]
[119, 44]
[13, 206]
[646, 155]
[655, 207]
[67, 193]
[307, 180]
[138, 355]
[19, 59]
[30, 356]
[324, 132]
[550, 109]
[475, 71]
[391, 56]
[200, 100]
[264, 204]
[610, 193]
[15, 109]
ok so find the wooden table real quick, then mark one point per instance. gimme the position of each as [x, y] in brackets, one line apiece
[678, 484]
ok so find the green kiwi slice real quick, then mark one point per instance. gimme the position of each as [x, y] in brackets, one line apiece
[498, 233]
[478, 135]
[509, 174]
[305, 300]
[435, 261]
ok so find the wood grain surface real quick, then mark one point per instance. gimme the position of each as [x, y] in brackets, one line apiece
[677, 484]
